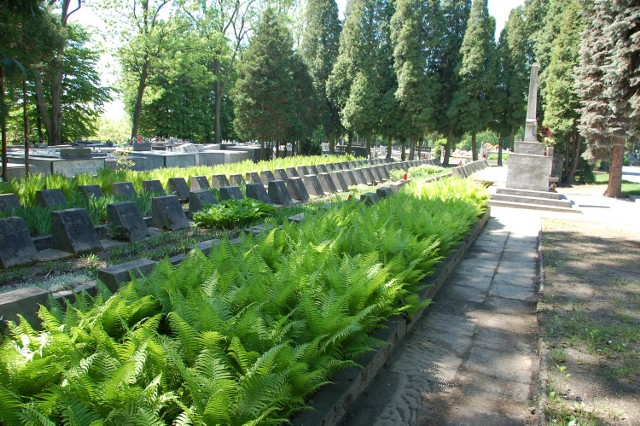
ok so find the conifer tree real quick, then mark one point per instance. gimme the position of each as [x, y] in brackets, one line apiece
[264, 95]
[319, 50]
[415, 32]
[513, 80]
[608, 82]
[478, 73]
[561, 100]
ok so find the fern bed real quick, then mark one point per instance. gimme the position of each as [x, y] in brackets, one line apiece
[244, 335]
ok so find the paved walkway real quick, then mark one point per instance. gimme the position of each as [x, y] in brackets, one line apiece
[472, 359]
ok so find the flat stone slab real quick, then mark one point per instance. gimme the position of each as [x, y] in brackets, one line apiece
[114, 276]
[123, 190]
[16, 246]
[384, 192]
[50, 198]
[167, 213]
[370, 198]
[22, 301]
[179, 187]
[126, 222]
[9, 202]
[72, 231]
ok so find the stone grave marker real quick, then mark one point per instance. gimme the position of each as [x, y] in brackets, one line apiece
[16, 246]
[199, 199]
[179, 187]
[327, 183]
[235, 180]
[266, 176]
[218, 181]
[90, 191]
[322, 168]
[361, 177]
[313, 186]
[369, 198]
[73, 232]
[296, 218]
[279, 194]
[350, 177]
[377, 173]
[385, 171]
[371, 179]
[50, 198]
[231, 193]
[281, 175]
[123, 190]
[292, 172]
[297, 190]
[9, 203]
[253, 177]
[303, 171]
[125, 221]
[339, 180]
[257, 192]
[153, 186]
[384, 192]
[198, 183]
[313, 170]
[167, 213]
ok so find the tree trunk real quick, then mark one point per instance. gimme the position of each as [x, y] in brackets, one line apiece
[614, 189]
[502, 141]
[447, 149]
[349, 142]
[55, 133]
[577, 147]
[218, 101]
[367, 144]
[261, 147]
[137, 111]
[42, 107]
[25, 122]
[403, 150]
[39, 125]
[420, 149]
[389, 147]
[474, 146]
[412, 148]
[3, 128]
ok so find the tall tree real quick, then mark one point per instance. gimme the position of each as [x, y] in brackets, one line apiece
[561, 100]
[319, 50]
[415, 31]
[513, 80]
[478, 73]
[447, 122]
[264, 93]
[608, 82]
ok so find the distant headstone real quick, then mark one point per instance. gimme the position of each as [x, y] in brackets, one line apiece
[179, 187]
[313, 170]
[279, 194]
[292, 172]
[313, 186]
[253, 177]
[370, 198]
[199, 199]
[327, 183]
[361, 177]
[377, 173]
[297, 190]
[371, 179]
[50, 198]
[153, 186]
[235, 180]
[322, 168]
[125, 221]
[231, 193]
[72, 231]
[9, 202]
[167, 213]
[281, 175]
[350, 177]
[90, 191]
[199, 182]
[257, 192]
[266, 176]
[384, 192]
[218, 181]
[16, 246]
[303, 171]
[339, 180]
[123, 190]
[75, 153]
[385, 171]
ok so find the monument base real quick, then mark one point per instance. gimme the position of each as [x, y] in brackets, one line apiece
[529, 171]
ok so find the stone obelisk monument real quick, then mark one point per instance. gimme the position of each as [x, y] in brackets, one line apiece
[530, 164]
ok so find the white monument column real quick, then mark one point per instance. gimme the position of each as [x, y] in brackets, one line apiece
[531, 126]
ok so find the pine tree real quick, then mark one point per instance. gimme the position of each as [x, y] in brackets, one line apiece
[415, 32]
[513, 80]
[264, 95]
[319, 50]
[447, 122]
[561, 100]
[608, 82]
[478, 73]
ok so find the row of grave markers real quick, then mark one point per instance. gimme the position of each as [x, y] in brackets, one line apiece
[72, 230]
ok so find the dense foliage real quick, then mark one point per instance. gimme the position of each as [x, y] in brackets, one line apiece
[243, 335]
[231, 214]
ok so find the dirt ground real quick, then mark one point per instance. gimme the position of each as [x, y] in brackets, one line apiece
[590, 323]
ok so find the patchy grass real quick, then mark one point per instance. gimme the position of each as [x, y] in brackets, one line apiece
[628, 188]
[590, 323]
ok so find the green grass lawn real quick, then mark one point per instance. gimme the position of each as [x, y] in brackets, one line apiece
[628, 188]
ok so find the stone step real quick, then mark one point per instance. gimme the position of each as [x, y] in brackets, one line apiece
[529, 193]
[520, 205]
[531, 200]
